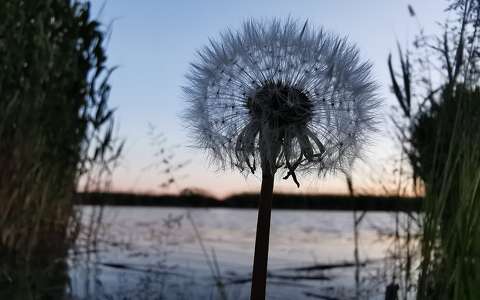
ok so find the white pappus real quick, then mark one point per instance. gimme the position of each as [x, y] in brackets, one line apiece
[281, 95]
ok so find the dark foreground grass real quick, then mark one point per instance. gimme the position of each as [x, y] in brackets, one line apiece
[55, 125]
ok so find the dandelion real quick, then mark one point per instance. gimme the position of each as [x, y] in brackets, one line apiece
[279, 96]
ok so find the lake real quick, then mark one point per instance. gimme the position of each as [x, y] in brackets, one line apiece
[179, 253]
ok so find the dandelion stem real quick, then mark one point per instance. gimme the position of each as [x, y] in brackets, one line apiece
[259, 275]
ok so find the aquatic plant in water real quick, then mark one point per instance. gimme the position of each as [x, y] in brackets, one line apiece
[279, 95]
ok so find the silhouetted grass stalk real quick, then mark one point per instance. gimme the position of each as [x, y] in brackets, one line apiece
[357, 219]
[211, 261]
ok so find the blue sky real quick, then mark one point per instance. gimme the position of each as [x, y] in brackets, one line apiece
[153, 42]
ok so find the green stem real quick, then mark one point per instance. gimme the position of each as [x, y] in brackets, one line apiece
[259, 275]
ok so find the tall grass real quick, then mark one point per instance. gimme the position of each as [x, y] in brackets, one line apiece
[451, 249]
[439, 133]
[55, 125]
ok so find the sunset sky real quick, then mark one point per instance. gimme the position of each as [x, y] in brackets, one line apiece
[153, 42]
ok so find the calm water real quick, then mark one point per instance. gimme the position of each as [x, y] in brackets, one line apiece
[178, 253]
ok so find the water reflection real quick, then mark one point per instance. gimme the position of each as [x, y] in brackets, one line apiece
[157, 253]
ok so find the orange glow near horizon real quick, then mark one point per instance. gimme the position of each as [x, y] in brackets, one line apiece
[154, 44]
[221, 184]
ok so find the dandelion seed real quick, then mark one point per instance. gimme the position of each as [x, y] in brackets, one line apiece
[287, 108]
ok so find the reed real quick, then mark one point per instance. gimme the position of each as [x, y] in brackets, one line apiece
[55, 126]
[450, 267]
[439, 133]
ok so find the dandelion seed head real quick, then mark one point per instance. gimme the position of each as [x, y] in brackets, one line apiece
[281, 92]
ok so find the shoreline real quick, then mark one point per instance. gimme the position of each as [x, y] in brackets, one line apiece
[281, 201]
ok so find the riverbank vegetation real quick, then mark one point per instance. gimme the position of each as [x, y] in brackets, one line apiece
[55, 126]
